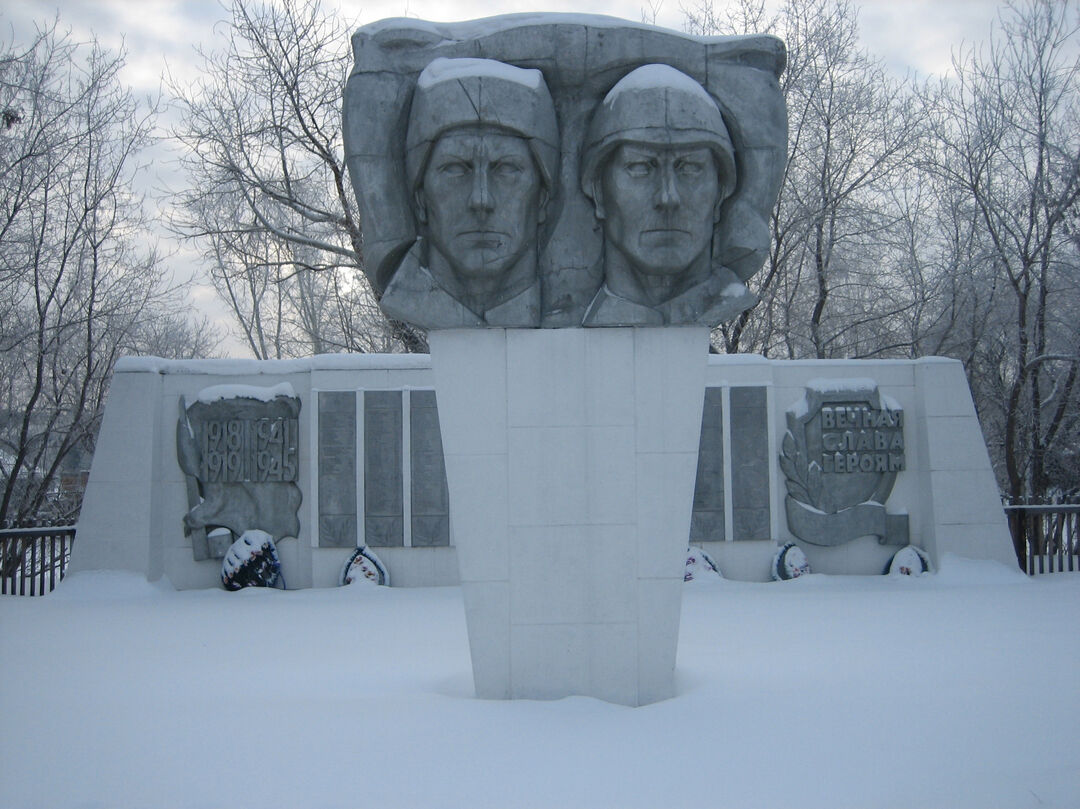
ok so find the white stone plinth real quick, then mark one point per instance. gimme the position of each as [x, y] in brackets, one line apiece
[571, 456]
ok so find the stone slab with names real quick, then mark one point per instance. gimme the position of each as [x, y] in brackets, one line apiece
[337, 469]
[430, 500]
[750, 464]
[384, 509]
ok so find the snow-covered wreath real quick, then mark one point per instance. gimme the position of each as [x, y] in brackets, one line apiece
[364, 566]
[789, 563]
[252, 561]
[700, 566]
[908, 561]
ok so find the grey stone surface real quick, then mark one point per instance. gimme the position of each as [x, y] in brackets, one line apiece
[580, 59]
[707, 526]
[430, 531]
[430, 500]
[218, 544]
[707, 523]
[337, 469]
[337, 530]
[841, 454]
[242, 454]
[750, 523]
[383, 496]
[750, 463]
[384, 532]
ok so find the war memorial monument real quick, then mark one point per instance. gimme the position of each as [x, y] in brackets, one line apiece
[567, 204]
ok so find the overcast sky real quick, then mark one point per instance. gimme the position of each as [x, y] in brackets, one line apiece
[910, 35]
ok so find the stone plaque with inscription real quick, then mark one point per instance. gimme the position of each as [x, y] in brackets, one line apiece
[842, 451]
[384, 506]
[430, 498]
[337, 469]
[240, 454]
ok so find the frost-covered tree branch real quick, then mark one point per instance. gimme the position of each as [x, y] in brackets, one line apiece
[268, 202]
[78, 286]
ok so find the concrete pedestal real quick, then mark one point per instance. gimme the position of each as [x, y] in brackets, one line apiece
[571, 457]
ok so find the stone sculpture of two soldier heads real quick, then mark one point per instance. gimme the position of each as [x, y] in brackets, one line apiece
[482, 157]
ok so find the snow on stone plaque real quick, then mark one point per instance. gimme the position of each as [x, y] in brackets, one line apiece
[842, 451]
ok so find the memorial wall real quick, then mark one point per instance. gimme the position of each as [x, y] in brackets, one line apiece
[346, 447]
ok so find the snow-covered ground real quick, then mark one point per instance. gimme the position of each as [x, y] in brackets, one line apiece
[955, 689]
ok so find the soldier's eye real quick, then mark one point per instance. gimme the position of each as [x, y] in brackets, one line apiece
[639, 168]
[689, 168]
[454, 168]
[507, 168]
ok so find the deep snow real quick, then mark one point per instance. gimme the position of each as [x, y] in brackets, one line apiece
[953, 689]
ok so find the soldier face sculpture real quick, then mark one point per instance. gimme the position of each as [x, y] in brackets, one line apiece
[658, 164]
[480, 200]
[481, 153]
[660, 205]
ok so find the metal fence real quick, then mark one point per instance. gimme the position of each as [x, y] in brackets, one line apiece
[1047, 535]
[33, 560]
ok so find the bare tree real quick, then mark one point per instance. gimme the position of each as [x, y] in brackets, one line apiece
[1007, 137]
[942, 221]
[77, 286]
[828, 288]
[268, 200]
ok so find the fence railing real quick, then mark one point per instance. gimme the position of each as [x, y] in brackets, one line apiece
[33, 560]
[1047, 535]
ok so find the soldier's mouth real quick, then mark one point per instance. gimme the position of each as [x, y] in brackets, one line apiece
[664, 237]
[484, 238]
